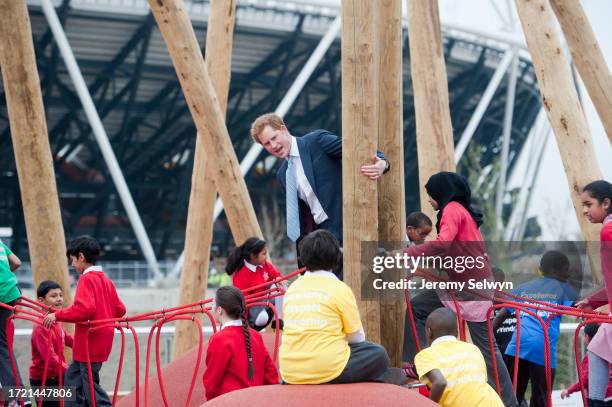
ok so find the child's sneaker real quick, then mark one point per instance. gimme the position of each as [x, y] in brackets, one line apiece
[410, 370]
[16, 403]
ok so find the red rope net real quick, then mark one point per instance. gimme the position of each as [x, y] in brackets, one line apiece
[34, 312]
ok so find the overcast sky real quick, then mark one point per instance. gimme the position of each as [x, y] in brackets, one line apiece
[551, 200]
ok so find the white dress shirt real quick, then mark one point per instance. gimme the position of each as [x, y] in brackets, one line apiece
[305, 191]
[250, 266]
[92, 268]
[232, 322]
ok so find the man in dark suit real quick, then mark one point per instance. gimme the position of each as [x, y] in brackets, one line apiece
[311, 174]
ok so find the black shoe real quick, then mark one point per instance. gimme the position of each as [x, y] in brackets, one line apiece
[281, 324]
[394, 375]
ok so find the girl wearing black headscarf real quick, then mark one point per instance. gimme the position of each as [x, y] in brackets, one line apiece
[459, 238]
[446, 187]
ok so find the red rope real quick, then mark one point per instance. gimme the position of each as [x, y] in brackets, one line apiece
[578, 362]
[92, 394]
[275, 281]
[46, 366]
[118, 378]
[460, 322]
[410, 316]
[9, 329]
[147, 364]
[137, 357]
[198, 358]
[516, 354]
[492, 351]
[160, 376]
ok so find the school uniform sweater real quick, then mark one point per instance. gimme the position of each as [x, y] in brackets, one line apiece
[53, 349]
[601, 344]
[95, 299]
[459, 237]
[250, 275]
[227, 363]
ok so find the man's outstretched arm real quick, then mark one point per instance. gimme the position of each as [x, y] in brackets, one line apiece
[377, 169]
[332, 146]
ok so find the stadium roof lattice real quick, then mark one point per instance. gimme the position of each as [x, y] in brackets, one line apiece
[130, 76]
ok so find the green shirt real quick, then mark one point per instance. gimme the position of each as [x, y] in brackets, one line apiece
[8, 280]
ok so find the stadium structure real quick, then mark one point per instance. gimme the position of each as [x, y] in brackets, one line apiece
[133, 84]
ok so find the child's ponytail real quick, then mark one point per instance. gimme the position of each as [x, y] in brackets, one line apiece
[247, 340]
[234, 260]
[252, 246]
[232, 301]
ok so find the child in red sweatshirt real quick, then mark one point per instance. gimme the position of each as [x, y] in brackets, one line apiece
[590, 331]
[249, 266]
[45, 350]
[236, 357]
[95, 299]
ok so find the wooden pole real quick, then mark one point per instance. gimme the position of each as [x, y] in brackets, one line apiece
[391, 199]
[199, 232]
[587, 57]
[46, 241]
[434, 131]
[176, 29]
[561, 103]
[359, 143]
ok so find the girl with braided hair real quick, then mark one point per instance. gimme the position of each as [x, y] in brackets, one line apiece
[236, 357]
[248, 265]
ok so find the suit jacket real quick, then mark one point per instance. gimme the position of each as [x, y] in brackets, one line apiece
[321, 156]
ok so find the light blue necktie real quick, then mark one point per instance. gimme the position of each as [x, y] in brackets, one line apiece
[293, 214]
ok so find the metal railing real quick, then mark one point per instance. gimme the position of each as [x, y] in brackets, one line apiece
[136, 273]
[124, 274]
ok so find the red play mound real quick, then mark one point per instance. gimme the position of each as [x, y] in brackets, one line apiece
[353, 395]
[177, 378]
